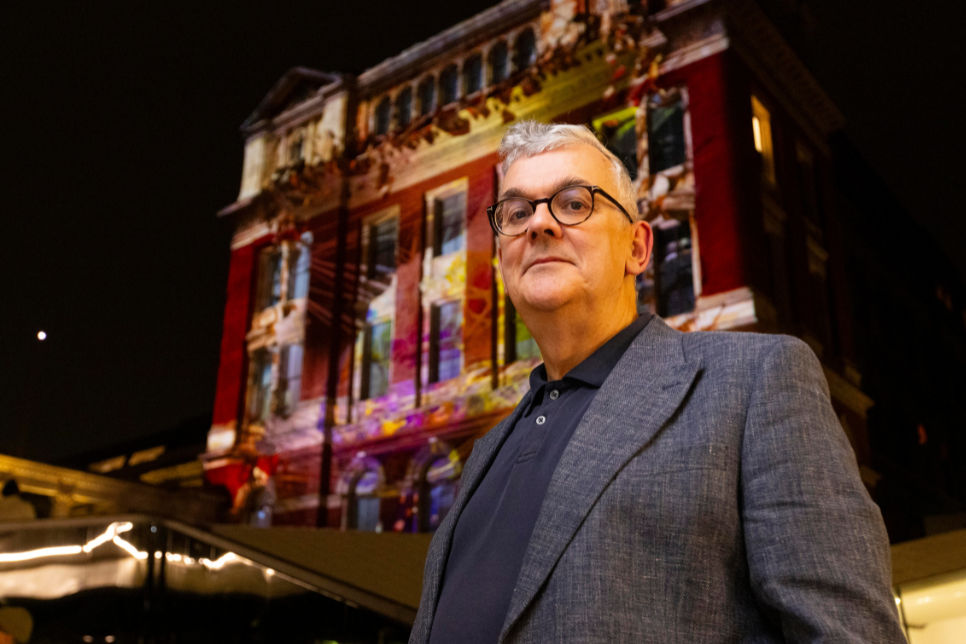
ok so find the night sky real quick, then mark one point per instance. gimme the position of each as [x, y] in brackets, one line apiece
[120, 142]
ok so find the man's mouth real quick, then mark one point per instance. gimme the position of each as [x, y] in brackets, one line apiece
[546, 260]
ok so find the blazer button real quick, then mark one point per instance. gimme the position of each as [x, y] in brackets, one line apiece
[541, 420]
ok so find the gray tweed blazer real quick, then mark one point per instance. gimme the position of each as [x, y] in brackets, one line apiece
[708, 495]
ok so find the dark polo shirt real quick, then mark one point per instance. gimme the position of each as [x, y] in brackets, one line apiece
[493, 532]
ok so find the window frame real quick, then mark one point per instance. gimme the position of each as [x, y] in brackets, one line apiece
[491, 77]
[479, 76]
[427, 81]
[382, 116]
[435, 341]
[763, 139]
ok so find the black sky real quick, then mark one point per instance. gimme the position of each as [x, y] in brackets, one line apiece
[120, 142]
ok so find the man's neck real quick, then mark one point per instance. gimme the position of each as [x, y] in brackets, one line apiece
[567, 340]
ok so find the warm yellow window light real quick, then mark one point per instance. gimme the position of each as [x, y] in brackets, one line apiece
[761, 128]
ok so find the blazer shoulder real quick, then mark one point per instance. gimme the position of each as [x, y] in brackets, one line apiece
[740, 347]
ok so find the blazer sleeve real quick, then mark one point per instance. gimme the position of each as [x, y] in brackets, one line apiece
[818, 553]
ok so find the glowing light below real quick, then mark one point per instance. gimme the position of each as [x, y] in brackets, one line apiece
[756, 126]
[112, 534]
[57, 551]
[41, 336]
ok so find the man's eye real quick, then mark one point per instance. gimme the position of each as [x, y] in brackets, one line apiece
[518, 214]
[576, 206]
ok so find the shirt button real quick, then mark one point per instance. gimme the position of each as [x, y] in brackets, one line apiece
[541, 420]
[554, 394]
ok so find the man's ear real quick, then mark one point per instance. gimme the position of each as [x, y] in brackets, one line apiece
[642, 243]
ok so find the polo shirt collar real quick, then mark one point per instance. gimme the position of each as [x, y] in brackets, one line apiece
[597, 366]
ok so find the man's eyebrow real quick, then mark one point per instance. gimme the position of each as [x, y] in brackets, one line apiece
[558, 185]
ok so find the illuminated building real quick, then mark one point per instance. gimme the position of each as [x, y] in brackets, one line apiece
[364, 315]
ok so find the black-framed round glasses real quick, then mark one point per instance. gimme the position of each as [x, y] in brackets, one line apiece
[569, 206]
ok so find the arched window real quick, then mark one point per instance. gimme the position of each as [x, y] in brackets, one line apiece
[383, 113]
[360, 486]
[473, 74]
[427, 93]
[434, 475]
[497, 60]
[449, 85]
[525, 50]
[404, 107]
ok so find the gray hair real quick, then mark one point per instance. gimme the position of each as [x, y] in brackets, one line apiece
[530, 138]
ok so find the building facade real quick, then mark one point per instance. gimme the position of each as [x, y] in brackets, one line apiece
[367, 338]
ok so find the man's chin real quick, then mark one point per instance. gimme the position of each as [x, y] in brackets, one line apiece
[547, 300]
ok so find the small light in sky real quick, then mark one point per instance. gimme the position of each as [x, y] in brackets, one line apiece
[42, 336]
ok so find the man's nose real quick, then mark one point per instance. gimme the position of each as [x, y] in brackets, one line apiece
[543, 222]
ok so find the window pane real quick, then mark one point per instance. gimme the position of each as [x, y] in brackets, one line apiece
[427, 92]
[383, 112]
[271, 278]
[448, 85]
[260, 397]
[525, 51]
[473, 74]
[292, 385]
[674, 272]
[299, 282]
[383, 240]
[367, 513]
[525, 346]
[449, 224]
[404, 107]
[295, 148]
[367, 483]
[441, 498]
[665, 135]
[761, 130]
[618, 132]
[450, 340]
[380, 347]
[497, 59]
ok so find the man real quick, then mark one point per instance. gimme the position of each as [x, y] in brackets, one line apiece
[652, 486]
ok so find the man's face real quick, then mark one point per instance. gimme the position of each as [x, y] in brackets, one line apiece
[552, 267]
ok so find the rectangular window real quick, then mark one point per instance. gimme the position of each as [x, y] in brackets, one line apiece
[382, 244]
[270, 278]
[498, 60]
[618, 132]
[809, 185]
[449, 82]
[376, 350]
[674, 276]
[520, 344]
[666, 146]
[761, 130]
[295, 145]
[426, 93]
[473, 74]
[446, 341]
[404, 107]
[290, 380]
[448, 221]
[300, 257]
[383, 115]
[260, 400]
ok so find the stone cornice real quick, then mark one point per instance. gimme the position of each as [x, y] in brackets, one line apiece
[467, 34]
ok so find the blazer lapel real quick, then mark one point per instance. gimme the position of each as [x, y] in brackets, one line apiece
[484, 451]
[645, 388]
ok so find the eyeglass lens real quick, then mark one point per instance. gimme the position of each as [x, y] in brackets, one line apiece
[570, 206]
